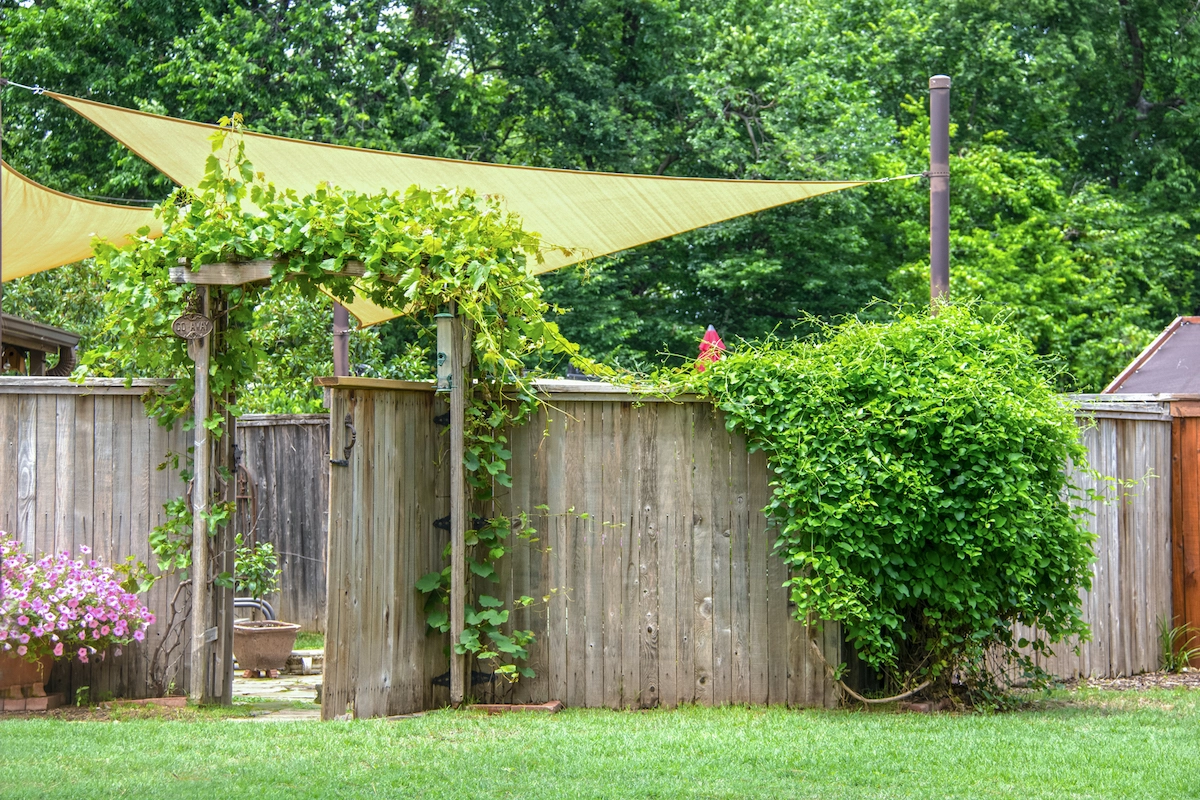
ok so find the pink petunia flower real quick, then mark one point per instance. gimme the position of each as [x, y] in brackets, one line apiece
[58, 649]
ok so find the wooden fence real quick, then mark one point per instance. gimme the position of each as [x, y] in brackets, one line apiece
[651, 547]
[284, 499]
[79, 466]
[655, 556]
[1129, 446]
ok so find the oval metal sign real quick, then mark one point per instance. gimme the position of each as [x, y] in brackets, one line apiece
[192, 326]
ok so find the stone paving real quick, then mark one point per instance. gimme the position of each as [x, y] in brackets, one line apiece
[278, 697]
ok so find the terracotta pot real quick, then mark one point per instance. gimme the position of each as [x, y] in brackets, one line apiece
[263, 644]
[16, 671]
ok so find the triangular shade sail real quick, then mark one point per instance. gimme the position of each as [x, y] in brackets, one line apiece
[588, 213]
[44, 229]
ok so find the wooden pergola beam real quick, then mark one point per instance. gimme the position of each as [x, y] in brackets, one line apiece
[230, 273]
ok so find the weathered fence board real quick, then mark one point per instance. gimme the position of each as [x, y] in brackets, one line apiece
[284, 500]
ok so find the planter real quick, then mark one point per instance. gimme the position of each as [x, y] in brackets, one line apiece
[263, 644]
[16, 672]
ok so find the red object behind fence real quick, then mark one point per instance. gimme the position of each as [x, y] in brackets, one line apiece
[712, 349]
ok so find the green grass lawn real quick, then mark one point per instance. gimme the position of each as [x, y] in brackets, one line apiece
[308, 640]
[1086, 744]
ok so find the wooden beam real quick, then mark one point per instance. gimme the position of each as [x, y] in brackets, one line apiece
[374, 384]
[226, 273]
[201, 606]
[460, 358]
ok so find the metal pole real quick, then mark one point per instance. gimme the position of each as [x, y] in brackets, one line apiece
[460, 358]
[341, 339]
[198, 684]
[939, 190]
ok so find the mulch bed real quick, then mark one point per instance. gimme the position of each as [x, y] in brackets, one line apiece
[1149, 680]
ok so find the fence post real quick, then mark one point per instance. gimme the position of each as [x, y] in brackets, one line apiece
[201, 599]
[460, 358]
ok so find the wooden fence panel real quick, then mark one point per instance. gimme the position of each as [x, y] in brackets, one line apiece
[80, 463]
[1130, 446]
[651, 571]
[285, 500]
[379, 660]
[652, 568]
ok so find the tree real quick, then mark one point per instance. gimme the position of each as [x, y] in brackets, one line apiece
[1097, 92]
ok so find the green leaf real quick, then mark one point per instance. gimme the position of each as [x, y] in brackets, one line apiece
[429, 582]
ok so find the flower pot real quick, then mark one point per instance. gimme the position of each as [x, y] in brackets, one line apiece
[263, 644]
[16, 672]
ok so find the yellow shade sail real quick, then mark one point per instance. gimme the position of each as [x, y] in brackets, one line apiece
[579, 215]
[44, 229]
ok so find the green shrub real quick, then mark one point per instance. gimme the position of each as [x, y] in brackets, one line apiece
[920, 490]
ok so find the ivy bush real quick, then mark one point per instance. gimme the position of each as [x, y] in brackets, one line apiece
[920, 490]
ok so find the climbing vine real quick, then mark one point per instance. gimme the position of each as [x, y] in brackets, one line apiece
[920, 490]
[421, 251]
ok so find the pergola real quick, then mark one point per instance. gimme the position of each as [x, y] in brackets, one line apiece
[579, 215]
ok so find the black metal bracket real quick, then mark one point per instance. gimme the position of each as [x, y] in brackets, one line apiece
[442, 419]
[344, 461]
[443, 523]
[476, 678]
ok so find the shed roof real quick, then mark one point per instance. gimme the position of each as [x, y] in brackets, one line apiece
[1169, 365]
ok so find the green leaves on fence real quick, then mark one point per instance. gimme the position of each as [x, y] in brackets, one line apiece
[919, 485]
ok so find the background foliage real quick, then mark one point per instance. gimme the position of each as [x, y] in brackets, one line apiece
[1076, 146]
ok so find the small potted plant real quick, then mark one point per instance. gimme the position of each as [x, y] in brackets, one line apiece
[260, 645]
[54, 607]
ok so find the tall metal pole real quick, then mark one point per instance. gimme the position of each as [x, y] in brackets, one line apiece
[341, 339]
[939, 190]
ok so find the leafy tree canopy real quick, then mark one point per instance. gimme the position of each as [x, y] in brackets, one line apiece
[1075, 168]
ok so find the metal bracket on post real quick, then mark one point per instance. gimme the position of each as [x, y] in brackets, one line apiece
[344, 461]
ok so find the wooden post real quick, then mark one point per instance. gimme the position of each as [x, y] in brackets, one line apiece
[221, 681]
[460, 358]
[201, 462]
